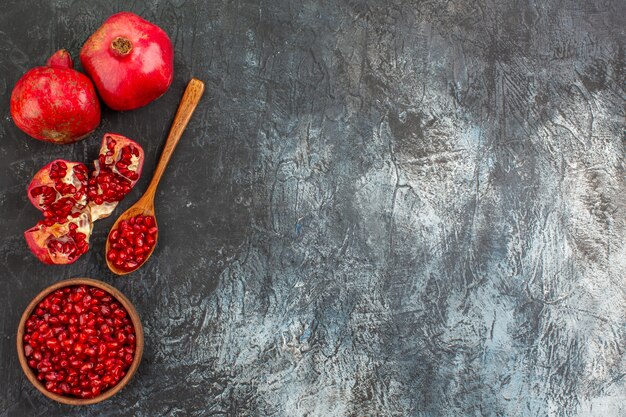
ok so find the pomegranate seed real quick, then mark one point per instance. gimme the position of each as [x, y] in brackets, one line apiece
[98, 293]
[119, 312]
[72, 356]
[131, 265]
[52, 343]
[112, 255]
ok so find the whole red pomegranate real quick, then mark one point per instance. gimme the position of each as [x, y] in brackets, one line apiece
[55, 103]
[130, 60]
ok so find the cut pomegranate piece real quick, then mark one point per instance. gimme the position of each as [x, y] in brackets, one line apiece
[131, 242]
[60, 242]
[69, 352]
[117, 170]
[59, 190]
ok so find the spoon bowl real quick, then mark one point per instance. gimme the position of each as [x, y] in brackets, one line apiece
[145, 205]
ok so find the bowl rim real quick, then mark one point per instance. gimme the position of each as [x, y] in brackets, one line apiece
[139, 340]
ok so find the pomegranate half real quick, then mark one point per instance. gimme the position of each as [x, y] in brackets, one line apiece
[130, 60]
[55, 103]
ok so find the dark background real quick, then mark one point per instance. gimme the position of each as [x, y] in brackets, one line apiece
[379, 208]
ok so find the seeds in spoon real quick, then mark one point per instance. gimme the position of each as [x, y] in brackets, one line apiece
[131, 242]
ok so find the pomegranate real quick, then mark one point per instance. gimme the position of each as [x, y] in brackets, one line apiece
[130, 60]
[79, 341]
[71, 200]
[117, 169]
[59, 190]
[131, 242]
[60, 243]
[55, 103]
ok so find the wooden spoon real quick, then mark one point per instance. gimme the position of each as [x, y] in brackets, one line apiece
[145, 205]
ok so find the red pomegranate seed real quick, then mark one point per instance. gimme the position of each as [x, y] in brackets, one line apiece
[131, 241]
[73, 339]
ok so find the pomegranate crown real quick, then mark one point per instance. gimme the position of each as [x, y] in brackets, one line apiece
[60, 59]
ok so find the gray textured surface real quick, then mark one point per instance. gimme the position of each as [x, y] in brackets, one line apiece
[410, 209]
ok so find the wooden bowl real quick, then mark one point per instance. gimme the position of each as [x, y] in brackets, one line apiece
[30, 374]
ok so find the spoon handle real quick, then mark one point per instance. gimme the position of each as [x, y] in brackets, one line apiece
[187, 105]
